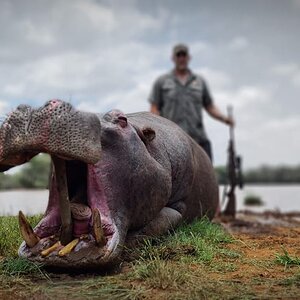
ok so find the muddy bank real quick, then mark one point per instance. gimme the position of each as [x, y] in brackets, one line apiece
[267, 222]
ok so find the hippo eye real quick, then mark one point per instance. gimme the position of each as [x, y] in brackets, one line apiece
[122, 120]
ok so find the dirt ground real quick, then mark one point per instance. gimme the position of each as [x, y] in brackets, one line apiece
[261, 237]
[254, 273]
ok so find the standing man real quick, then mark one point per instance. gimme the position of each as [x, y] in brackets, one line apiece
[180, 96]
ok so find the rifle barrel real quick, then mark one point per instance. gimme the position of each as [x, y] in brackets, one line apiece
[230, 115]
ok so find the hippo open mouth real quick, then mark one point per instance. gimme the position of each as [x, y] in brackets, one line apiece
[77, 229]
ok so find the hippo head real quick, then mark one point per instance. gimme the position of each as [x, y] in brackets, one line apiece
[86, 220]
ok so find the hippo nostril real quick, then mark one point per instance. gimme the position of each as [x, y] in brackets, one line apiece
[54, 101]
[122, 120]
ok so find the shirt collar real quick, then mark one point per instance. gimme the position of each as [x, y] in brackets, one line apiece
[191, 76]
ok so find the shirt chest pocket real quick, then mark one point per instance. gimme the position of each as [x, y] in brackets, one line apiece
[196, 92]
[169, 90]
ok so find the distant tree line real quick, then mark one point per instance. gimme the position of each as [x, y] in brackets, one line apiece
[35, 175]
[268, 174]
[265, 174]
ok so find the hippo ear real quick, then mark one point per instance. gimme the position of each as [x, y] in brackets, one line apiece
[149, 134]
[146, 134]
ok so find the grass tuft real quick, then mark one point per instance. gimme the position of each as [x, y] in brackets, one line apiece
[287, 260]
[21, 267]
[168, 262]
[160, 274]
[292, 280]
[94, 288]
[10, 238]
[199, 241]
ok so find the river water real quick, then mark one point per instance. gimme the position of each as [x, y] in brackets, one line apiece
[275, 197]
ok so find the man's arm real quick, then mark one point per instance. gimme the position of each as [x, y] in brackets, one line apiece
[155, 97]
[212, 109]
[214, 112]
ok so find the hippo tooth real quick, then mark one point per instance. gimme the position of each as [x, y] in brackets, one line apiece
[64, 203]
[97, 228]
[68, 248]
[49, 250]
[30, 238]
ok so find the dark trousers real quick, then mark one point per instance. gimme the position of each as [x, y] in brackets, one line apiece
[206, 145]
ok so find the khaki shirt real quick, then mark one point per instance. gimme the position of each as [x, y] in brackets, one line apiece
[182, 103]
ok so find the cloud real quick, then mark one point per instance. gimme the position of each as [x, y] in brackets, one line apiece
[217, 79]
[3, 108]
[38, 35]
[296, 3]
[198, 47]
[238, 43]
[285, 69]
[274, 142]
[100, 17]
[289, 70]
[244, 97]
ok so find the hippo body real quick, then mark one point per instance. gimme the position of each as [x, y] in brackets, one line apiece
[190, 183]
[149, 177]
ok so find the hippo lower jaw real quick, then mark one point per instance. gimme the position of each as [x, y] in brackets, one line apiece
[89, 238]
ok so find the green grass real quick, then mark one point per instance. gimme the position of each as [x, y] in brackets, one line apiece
[167, 262]
[160, 274]
[10, 238]
[195, 261]
[21, 266]
[292, 280]
[199, 242]
[286, 259]
[162, 264]
[94, 288]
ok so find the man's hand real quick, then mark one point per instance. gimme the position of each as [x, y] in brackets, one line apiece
[154, 109]
[229, 121]
[216, 113]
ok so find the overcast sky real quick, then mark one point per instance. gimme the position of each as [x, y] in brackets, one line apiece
[100, 55]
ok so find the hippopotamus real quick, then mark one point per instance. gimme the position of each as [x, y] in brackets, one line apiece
[115, 178]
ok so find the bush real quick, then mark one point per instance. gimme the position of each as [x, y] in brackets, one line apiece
[253, 200]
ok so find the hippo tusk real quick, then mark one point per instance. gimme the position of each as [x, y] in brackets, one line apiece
[68, 248]
[51, 249]
[97, 228]
[30, 238]
[64, 203]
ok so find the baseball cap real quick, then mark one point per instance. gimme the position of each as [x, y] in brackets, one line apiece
[180, 48]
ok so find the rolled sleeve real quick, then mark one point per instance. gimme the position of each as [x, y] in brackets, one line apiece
[155, 96]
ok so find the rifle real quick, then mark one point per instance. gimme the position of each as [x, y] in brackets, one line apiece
[234, 172]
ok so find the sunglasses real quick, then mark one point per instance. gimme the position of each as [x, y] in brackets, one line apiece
[181, 54]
